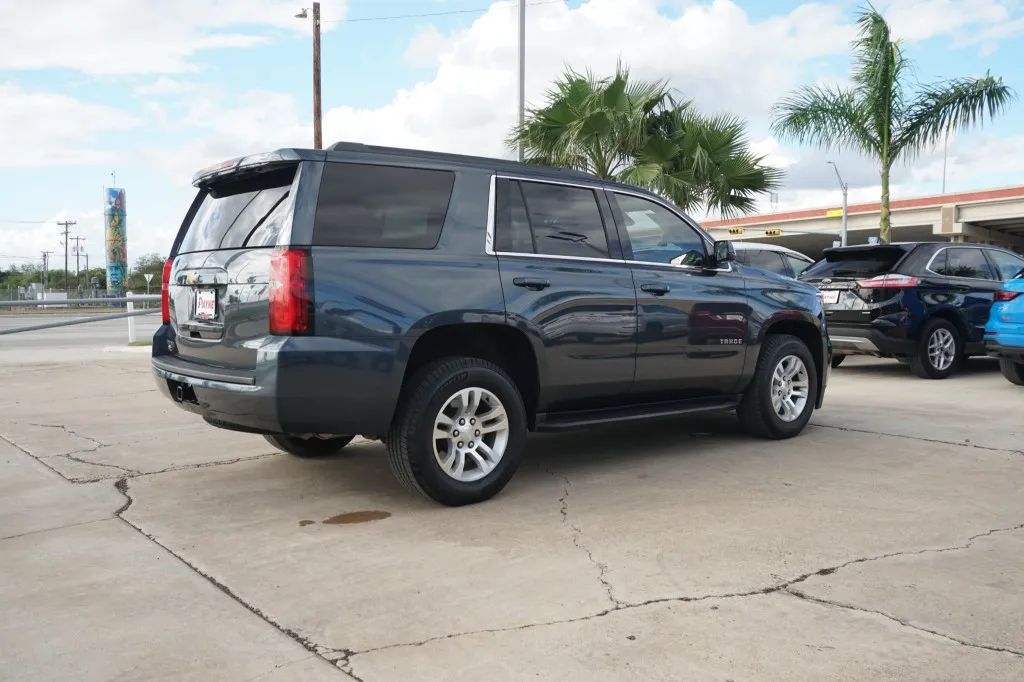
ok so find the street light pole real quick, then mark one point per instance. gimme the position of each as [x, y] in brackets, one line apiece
[843, 185]
[522, 73]
[318, 140]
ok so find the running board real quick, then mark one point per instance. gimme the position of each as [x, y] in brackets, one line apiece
[559, 421]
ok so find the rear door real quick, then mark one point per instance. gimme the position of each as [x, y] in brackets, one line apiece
[973, 280]
[839, 274]
[219, 288]
[566, 285]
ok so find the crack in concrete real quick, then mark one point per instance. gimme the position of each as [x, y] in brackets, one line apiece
[784, 587]
[918, 438]
[902, 621]
[98, 443]
[48, 530]
[321, 652]
[81, 460]
[577, 540]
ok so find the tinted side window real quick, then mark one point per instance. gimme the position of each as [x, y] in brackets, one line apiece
[240, 212]
[768, 260]
[511, 224]
[963, 262]
[382, 206]
[657, 235]
[798, 265]
[566, 220]
[1009, 264]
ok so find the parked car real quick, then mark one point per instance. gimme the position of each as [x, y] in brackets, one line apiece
[772, 257]
[447, 305]
[1004, 333]
[923, 303]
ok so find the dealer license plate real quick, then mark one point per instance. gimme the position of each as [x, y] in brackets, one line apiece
[830, 297]
[206, 304]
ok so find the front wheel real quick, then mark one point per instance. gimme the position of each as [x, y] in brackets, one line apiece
[939, 351]
[309, 447]
[1013, 371]
[459, 432]
[780, 399]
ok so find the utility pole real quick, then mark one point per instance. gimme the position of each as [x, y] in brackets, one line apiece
[44, 280]
[522, 72]
[945, 149]
[318, 138]
[67, 229]
[78, 252]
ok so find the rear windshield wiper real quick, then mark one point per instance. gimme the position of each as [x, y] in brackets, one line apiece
[568, 236]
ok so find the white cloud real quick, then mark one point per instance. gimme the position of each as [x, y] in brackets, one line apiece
[49, 129]
[425, 47]
[119, 37]
[163, 86]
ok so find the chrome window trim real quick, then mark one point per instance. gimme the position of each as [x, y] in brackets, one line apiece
[935, 255]
[594, 187]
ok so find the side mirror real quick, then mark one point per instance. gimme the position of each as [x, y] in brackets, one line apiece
[724, 252]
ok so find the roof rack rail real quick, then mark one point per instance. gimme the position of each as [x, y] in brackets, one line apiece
[461, 158]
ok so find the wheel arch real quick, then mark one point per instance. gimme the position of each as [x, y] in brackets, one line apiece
[502, 344]
[807, 329]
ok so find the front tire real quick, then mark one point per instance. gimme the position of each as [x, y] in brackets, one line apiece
[1013, 371]
[309, 447]
[780, 399]
[939, 351]
[459, 433]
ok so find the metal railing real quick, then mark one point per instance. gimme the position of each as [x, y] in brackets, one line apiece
[130, 312]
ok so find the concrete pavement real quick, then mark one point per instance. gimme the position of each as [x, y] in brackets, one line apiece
[884, 543]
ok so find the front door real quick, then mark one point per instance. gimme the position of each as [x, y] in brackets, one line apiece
[567, 287]
[692, 320]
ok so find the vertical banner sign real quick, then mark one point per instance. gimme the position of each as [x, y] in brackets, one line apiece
[116, 238]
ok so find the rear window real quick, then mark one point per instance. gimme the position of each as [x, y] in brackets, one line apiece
[381, 206]
[241, 212]
[867, 262]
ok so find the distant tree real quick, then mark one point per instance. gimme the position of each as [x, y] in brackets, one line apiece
[634, 131]
[881, 116]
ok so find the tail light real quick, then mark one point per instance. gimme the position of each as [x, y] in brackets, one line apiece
[888, 282]
[290, 299]
[165, 284]
[1004, 295]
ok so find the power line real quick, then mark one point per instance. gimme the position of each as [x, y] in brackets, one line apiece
[478, 10]
[25, 222]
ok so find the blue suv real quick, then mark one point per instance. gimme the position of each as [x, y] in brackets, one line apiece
[1004, 333]
[922, 303]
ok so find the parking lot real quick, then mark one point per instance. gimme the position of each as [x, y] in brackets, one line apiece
[883, 543]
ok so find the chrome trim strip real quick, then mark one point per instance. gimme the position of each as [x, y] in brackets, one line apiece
[550, 256]
[491, 209]
[935, 255]
[855, 341]
[492, 217]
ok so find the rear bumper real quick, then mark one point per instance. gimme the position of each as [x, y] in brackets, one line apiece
[868, 341]
[300, 385]
[996, 349]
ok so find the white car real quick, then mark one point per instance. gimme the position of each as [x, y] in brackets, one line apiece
[773, 258]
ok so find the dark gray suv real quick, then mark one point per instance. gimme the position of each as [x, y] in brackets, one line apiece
[447, 305]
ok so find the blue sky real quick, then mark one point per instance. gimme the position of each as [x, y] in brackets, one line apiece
[196, 81]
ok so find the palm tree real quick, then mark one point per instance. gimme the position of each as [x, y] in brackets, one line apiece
[635, 132]
[880, 115]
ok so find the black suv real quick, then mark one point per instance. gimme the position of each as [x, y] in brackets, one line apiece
[923, 303]
[448, 304]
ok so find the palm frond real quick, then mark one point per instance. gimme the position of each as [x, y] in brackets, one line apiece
[826, 117]
[946, 107]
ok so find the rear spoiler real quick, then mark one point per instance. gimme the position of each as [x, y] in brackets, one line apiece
[252, 161]
[865, 248]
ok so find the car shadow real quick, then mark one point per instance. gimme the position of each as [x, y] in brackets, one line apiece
[978, 366]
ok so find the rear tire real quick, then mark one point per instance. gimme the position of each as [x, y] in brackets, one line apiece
[428, 453]
[837, 360]
[939, 352]
[1013, 371]
[309, 447]
[758, 413]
